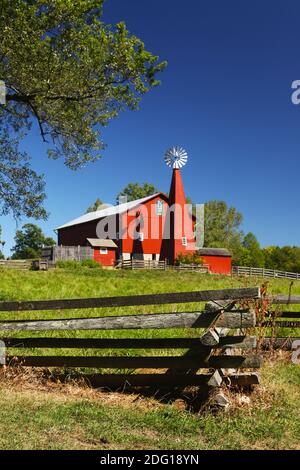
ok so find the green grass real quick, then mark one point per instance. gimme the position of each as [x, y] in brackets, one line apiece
[69, 418]
[72, 418]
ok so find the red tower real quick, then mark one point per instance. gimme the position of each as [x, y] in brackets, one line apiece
[182, 238]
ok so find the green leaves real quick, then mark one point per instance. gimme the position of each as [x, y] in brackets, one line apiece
[29, 242]
[135, 191]
[21, 188]
[70, 72]
[67, 70]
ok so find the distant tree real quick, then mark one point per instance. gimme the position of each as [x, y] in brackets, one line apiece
[251, 254]
[29, 242]
[286, 258]
[94, 207]
[222, 227]
[135, 191]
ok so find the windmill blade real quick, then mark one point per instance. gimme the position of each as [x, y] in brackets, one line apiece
[176, 157]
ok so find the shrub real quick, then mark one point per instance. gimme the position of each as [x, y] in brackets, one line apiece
[72, 264]
[91, 263]
[189, 258]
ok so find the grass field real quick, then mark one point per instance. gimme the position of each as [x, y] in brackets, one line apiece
[37, 414]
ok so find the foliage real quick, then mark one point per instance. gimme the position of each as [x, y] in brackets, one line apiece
[188, 258]
[222, 227]
[94, 207]
[29, 242]
[251, 253]
[286, 258]
[73, 264]
[21, 188]
[71, 74]
[135, 191]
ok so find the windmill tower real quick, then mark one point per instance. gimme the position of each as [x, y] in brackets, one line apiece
[182, 239]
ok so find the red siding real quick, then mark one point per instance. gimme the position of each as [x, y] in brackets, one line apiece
[218, 264]
[105, 260]
[153, 228]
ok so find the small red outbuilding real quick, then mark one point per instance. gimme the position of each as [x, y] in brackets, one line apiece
[218, 260]
[104, 251]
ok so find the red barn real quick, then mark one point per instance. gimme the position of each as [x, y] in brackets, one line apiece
[157, 227]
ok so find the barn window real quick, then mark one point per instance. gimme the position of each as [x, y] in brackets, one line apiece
[184, 241]
[103, 251]
[159, 208]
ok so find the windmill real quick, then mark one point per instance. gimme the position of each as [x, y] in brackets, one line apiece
[176, 157]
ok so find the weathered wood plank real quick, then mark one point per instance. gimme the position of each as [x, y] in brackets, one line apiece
[287, 315]
[241, 342]
[242, 379]
[132, 300]
[147, 321]
[136, 362]
[279, 343]
[215, 380]
[210, 338]
[113, 381]
[282, 324]
[286, 299]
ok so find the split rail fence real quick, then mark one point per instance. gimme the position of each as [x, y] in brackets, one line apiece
[213, 349]
[284, 320]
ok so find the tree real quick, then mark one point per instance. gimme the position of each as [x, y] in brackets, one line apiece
[222, 227]
[286, 258]
[71, 74]
[135, 191]
[94, 207]
[29, 242]
[251, 255]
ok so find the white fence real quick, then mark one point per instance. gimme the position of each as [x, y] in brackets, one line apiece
[263, 272]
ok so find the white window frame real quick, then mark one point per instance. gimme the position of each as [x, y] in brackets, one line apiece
[103, 251]
[184, 241]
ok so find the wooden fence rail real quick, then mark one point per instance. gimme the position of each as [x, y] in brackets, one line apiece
[132, 300]
[263, 272]
[142, 264]
[15, 264]
[217, 315]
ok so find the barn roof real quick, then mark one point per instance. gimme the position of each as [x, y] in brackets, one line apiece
[108, 211]
[101, 243]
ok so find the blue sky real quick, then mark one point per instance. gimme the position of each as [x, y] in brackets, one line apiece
[225, 97]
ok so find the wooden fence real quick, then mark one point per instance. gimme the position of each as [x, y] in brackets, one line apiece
[16, 264]
[152, 264]
[263, 272]
[142, 264]
[284, 320]
[65, 253]
[219, 315]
